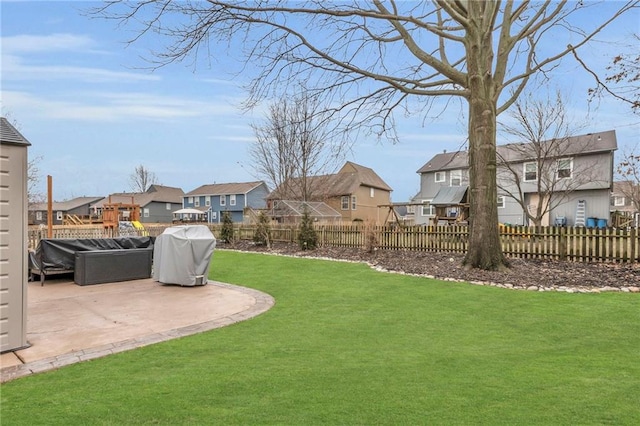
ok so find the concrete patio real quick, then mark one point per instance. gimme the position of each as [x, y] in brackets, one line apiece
[68, 323]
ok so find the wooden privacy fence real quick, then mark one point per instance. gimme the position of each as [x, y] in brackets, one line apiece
[545, 242]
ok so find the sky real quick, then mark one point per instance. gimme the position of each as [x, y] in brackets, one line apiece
[92, 110]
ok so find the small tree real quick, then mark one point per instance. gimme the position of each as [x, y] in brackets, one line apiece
[307, 238]
[226, 233]
[262, 235]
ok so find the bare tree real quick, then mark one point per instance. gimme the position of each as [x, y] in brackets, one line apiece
[141, 179]
[628, 171]
[373, 59]
[294, 143]
[528, 170]
[622, 77]
[33, 179]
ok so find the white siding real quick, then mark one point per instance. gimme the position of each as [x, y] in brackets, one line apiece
[13, 249]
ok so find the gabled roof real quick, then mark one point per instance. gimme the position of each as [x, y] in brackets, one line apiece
[155, 193]
[226, 188]
[347, 181]
[575, 145]
[10, 135]
[65, 206]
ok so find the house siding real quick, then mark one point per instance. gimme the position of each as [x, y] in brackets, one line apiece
[13, 239]
[591, 180]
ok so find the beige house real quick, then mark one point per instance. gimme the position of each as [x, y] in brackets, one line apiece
[13, 238]
[355, 191]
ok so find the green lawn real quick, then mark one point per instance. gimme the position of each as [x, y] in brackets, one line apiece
[347, 345]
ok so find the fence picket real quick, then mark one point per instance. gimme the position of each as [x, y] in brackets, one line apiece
[560, 243]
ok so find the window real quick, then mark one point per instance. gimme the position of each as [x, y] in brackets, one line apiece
[196, 202]
[618, 201]
[232, 199]
[38, 215]
[441, 177]
[530, 172]
[428, 209]
[214, 215]
[501, 203]
[146, 212]
[190, 200]
[411, 209]
[456, 178]
[372, 192]
[223, 200]
[207, 200]
[353, 202]
[59, 215]
[564, 168]
[167, 206]
[344, 201]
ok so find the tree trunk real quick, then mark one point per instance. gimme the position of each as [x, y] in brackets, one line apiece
[485, 250]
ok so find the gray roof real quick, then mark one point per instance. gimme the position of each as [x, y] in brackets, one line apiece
[450, 195]
[155, 193]
[65, 206]
[10, 135]
[226, 188]
[516, 152]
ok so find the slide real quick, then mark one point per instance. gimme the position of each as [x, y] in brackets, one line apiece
[139, 227]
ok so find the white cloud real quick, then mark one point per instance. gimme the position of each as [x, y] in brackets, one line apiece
[46, 43]
[14, 69]
[98, 106]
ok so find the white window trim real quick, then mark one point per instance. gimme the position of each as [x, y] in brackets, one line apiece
[232, 199]
[354, 202]
[431, 209]
[223, 200]
[59, 216]
[190, 200]
[145, 212]
[618, 201]
[38, 215]
[524, 172]
[372, 192]
[167, 206]
[344, 202]
[570, 168]
[196, 202]
[455, 174]
[501, 202]
[443, 177]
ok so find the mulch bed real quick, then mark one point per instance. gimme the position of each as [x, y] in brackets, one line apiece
[533, 274]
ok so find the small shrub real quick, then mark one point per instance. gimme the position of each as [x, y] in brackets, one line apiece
[263, 231]
[307, 238]
[226, 233]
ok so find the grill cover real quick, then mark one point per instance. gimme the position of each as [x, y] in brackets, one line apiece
[182, 254]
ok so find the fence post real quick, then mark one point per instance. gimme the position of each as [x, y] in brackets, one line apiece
[634, 245]
[562, 246]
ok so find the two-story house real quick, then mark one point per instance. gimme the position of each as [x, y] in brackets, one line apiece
[355, 191]
[562, 181]
[215, 199]
[71, 211]
[157, 203]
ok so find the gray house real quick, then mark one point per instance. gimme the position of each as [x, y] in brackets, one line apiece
[157, 203]
[13, 238]
[558, 182]
[217, 198]
[76, 209]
